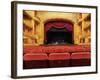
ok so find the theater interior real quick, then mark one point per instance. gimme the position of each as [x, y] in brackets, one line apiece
[56, 39]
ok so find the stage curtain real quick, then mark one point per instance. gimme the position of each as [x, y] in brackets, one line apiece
[58, 24]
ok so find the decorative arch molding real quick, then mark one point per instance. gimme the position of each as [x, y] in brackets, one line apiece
[59, 19]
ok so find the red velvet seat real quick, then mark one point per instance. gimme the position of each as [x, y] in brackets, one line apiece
[81, 59]
[35, 60]
[59, 59]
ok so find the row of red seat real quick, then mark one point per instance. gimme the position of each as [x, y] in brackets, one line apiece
[56, 49]
[47, 60]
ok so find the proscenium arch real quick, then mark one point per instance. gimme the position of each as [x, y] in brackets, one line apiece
[60, 19]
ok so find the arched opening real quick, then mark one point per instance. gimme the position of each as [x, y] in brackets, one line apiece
[58, 32]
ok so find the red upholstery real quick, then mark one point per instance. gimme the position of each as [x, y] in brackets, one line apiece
[35, 56]
[59, 59]
[81, 55]
[81, 59]
[56, 49]
[59, 56]
[35, 60]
